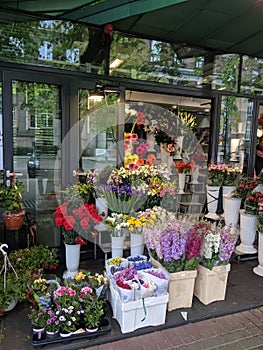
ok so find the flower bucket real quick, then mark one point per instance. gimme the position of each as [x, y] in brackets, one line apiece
[248, 230]
[231, 210]
[180, 287]
[258, 270]
[210, 285]
[117, 244]
[137, 243]
[181, 182]
[212, 201]
[72, 260]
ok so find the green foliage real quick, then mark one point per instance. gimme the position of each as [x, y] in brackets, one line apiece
[10, 197]
[93, 311]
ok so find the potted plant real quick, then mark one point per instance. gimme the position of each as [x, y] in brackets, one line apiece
[52, 323]
[12, 205]
[11, 291]
[93, 312]
[38, 319]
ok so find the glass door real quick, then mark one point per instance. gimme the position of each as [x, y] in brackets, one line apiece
[32, 140]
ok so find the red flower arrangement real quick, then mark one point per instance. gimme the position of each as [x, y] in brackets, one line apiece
[260, 122]
[183, 167]
[77, 222]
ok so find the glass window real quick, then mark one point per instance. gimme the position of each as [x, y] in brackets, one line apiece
[98, 131]
[235, 131]
[225, 74]
[36, 143]
[252, 75]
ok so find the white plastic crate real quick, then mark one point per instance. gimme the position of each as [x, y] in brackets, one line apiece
[138, 314]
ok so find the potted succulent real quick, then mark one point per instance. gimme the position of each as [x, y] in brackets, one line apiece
[12, 205]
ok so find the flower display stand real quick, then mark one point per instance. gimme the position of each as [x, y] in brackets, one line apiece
[248, 229]
[141, 313]
[180, 287]
[210, 285]
[258, 270]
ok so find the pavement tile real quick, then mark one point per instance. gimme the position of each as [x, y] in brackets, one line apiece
[251, 317]
[205, 344]
[249, 343]
[184, 334]
[173, 337]
[232, 346]
[258, 313]
[234, 337]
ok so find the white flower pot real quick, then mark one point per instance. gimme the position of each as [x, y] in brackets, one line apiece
[117, 244]
[258, 270]
[72, 260]
[231, 210]
[195, 175]
[212, 193]
[137, 243]
[181, 183]
[102, 206]
[248, 229]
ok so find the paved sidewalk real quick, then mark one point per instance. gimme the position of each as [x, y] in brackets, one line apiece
[240, 331]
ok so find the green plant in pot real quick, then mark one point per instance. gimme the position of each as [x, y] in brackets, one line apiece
[12, 205]
[93, 312]
[11, 291]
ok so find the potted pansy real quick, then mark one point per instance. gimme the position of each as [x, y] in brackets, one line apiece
[99, 283]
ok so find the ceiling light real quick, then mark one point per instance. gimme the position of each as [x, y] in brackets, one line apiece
[97, 94]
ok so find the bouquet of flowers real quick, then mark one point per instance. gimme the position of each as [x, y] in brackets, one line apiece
[253, 202]
[218, 245]
[176, 244]
[184, 167]
[117, 223]
[77, 222]
[123, 198]
[216, 174]
[149, 179]
[232, 176]
[244, 187]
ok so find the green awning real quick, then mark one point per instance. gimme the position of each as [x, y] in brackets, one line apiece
[233, 26]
